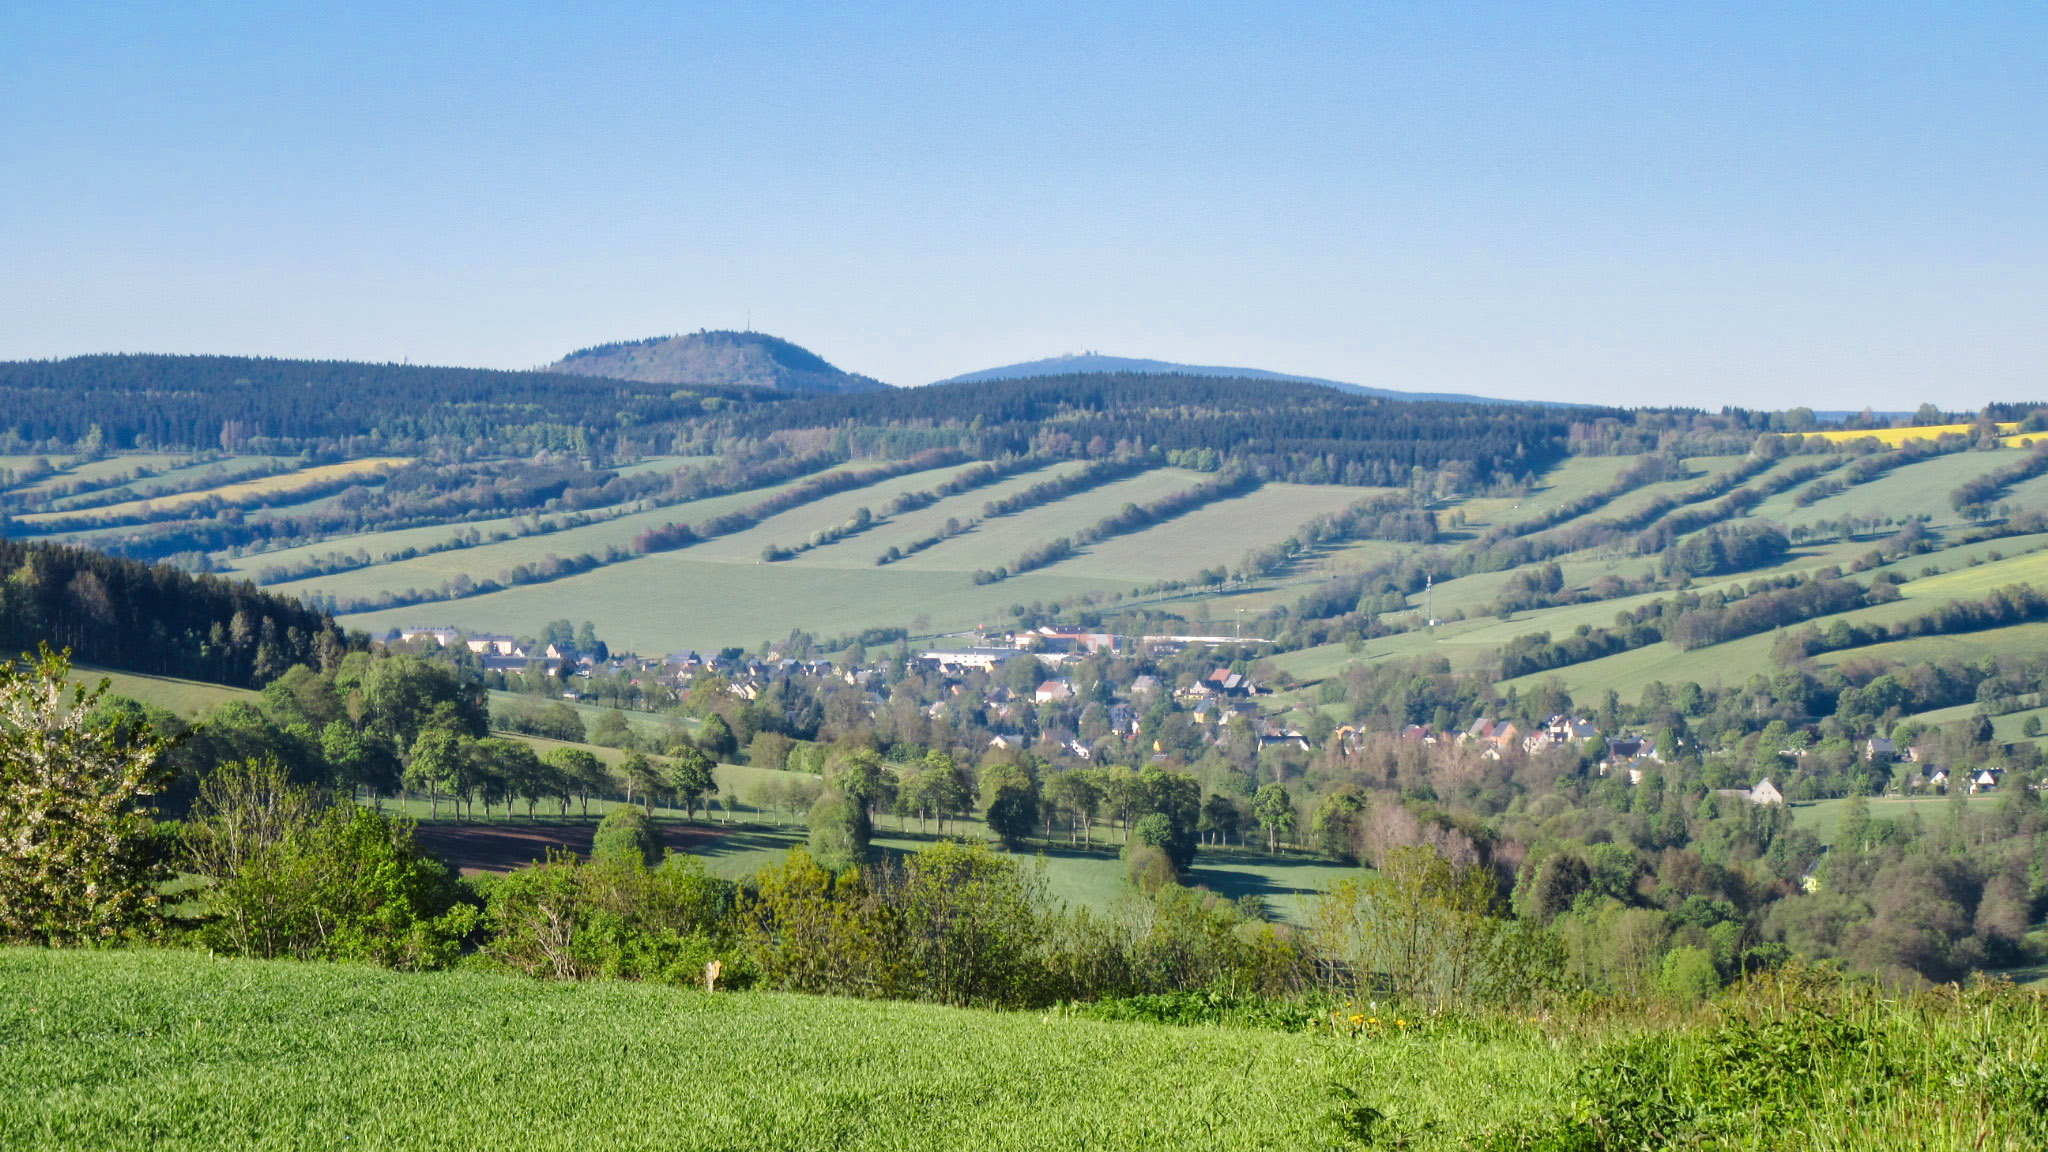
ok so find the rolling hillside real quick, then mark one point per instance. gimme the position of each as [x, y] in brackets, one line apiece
[1032, 498]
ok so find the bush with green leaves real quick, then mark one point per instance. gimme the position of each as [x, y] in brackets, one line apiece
[1146, 866]
[290, 877]
[840, 830]
[613, 918]
[626, 834]
[955, 924]
[1174, 939]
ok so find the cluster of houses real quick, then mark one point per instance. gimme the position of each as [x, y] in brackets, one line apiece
[1056, 646]
[1885, 750]
[501, 653]
[1213, 701]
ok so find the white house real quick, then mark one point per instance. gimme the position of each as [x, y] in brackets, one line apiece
[1053, 690]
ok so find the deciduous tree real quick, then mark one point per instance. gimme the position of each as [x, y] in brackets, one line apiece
[76, 858]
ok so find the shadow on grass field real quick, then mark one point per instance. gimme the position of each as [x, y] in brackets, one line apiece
[502, 847]
[1083, 875]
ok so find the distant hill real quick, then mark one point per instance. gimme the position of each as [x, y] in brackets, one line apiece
[1092, 362]
[743, 359]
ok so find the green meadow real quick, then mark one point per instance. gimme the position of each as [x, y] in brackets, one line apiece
[168, 1050]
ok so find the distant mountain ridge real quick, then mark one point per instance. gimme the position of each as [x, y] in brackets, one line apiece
[1093, 362]
[716, 358]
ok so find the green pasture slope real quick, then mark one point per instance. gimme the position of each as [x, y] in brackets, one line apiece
[720, 592]
[184, 697]
[488, 561]
[170, 1050]
[1823, 817]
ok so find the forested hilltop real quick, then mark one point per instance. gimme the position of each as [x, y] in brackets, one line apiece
[750, 359]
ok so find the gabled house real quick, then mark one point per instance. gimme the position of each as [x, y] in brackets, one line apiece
[1765, 792]
[1229, 683]
[1624, 748]
[1053, 690]
[1880, 750]
[1272, 735]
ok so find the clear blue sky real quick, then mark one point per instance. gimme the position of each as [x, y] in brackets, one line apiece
[1756, 204]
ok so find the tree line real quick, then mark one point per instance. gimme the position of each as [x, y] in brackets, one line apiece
[234, 402]
[157, 619]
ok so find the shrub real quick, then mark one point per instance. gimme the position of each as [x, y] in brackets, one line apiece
[613, 918]
[346, 884]
[839, 832]
[1146, 866]
[1687, 975]
[955, 924]
[626, 834]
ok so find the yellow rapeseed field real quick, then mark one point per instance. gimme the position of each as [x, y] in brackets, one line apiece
[1893, 437]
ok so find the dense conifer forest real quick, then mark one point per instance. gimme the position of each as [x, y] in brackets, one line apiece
[1277, 429]
[233, 401]
[156, 619]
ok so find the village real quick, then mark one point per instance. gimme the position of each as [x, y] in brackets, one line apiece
[1079, 696]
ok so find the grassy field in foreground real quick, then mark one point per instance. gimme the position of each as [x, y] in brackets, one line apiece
[179, 1050]
[169, 1050]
